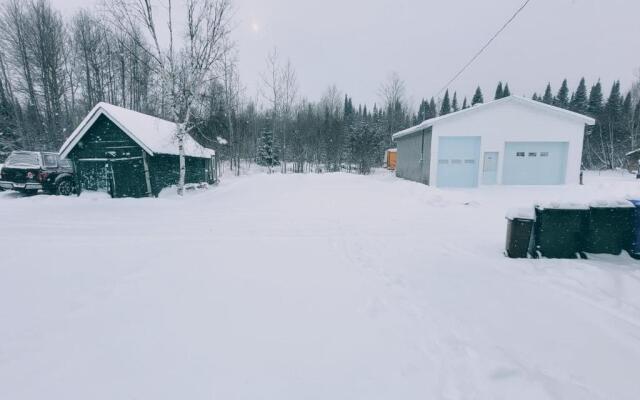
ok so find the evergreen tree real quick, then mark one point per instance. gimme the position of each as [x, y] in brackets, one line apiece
[477, 97]
[9, 139]
[594, 107]
[611, 122]
[433, 109]
[506, 92]
[580, 102]
[464, 104]
[535, 97]
[548, 95]
[562, 99]
[499, 92]
[267, 155]
[454, 102]
[446, 104]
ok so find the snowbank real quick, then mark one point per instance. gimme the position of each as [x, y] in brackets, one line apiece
[308, 287]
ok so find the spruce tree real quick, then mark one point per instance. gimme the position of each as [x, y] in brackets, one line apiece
[506, 92]
[446, 104]
[464, 104]
[535, 97]
[477, 97]
[594, 107]
[267, 150]
[433, 109]
[548, 95]
[580, 102]
[9, 139]
[454, 102]
[562, 99]
[499, 92]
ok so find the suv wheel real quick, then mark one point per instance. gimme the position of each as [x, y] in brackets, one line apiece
[64, 188]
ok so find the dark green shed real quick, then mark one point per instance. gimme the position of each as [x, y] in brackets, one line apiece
[130, 154]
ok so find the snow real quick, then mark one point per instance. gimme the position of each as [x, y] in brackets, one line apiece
[317, 286]
[521, 213]
[153, 134]
[516, 100]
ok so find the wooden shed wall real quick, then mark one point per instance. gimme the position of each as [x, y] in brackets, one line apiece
[108, 159]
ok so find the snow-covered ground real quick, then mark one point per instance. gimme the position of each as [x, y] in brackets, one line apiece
[330, 286]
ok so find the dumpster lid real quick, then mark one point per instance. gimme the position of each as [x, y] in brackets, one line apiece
[521, 213]
[611, 203]
[557, 205]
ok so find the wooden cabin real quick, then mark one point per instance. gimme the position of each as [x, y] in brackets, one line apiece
[129, 154]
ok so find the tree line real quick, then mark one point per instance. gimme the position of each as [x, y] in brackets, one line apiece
[53, 70]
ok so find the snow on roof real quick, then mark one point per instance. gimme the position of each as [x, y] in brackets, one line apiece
[633, 152]
[153, 134]
[510, 99]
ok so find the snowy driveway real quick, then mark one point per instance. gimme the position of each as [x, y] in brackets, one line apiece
[327, 286]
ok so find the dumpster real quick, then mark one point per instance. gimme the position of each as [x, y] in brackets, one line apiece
[559, 230]
[609, 227]
[634, 247]
[519, 230]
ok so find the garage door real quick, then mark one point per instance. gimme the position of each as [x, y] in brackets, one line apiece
[458, 161]
[535, 163]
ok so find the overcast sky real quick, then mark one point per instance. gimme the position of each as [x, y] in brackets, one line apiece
[355, 44]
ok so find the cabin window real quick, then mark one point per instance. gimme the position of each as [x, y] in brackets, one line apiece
[443, 162]
[544, 154]
[520, 154]
[533, 154]
[469, 161]
[456, 161]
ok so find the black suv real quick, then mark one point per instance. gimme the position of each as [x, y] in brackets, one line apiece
[30, 171]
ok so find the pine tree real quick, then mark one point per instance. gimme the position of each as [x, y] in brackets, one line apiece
[499, 92]
[464, 104]
[477, 97]
[506, 92]
[267, 155]
[594, 108]
[446, 104]
[9, 139]
[548, 95]
[433, 109]
[580, 102]
[562, 99]
[454, 102]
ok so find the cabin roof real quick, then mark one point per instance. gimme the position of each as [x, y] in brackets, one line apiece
[153, 134]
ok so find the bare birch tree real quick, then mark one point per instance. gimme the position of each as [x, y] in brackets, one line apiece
[185, 63]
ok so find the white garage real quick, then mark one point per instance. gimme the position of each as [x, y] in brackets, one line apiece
[511, 141]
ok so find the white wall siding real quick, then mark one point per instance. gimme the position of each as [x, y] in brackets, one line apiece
[512, 122]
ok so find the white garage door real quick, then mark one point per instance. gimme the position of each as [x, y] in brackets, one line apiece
[535, 163]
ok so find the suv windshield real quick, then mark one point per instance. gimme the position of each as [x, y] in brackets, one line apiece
[22, 158]
[50, 160]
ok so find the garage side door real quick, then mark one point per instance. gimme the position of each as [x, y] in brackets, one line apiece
[535, 163]
[458, 160]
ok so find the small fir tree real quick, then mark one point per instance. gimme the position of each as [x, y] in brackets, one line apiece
[446, 104]
[506, 92]
[580, 102]
[454, 102]
[562, 99]
[548, 95]
[267, 155]
[477, 97]
[499, 92]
